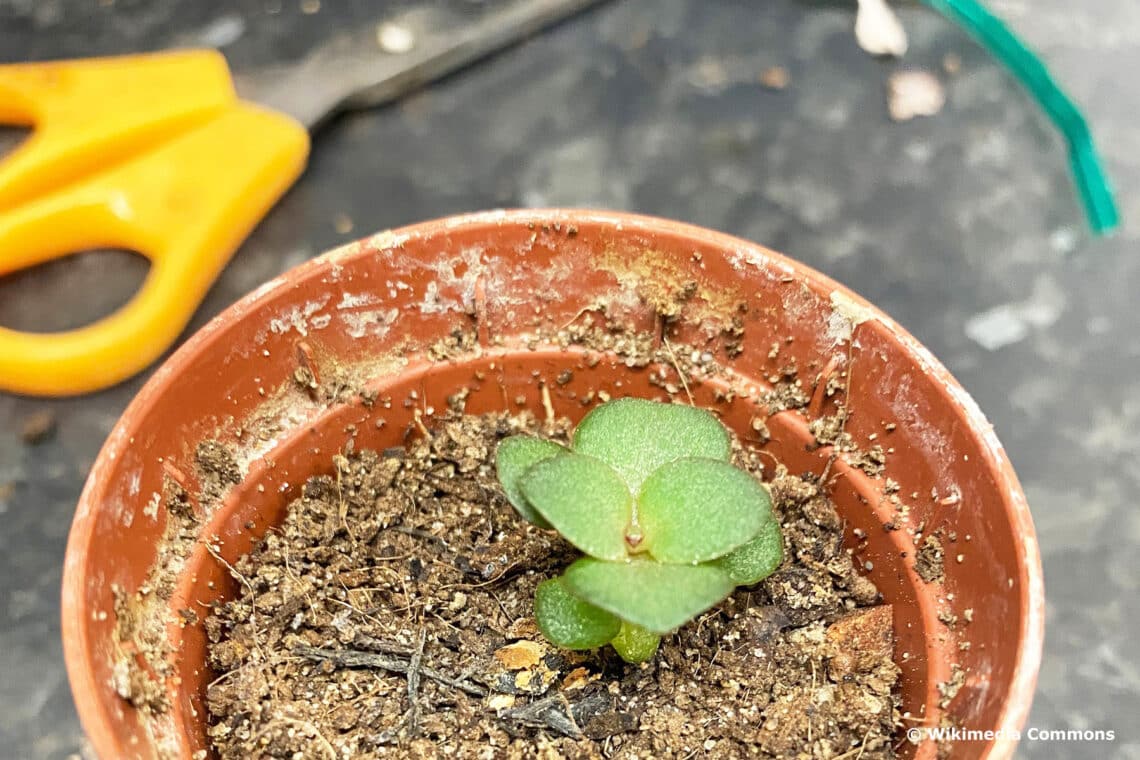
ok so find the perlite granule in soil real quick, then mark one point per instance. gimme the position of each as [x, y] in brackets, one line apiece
[391, 615]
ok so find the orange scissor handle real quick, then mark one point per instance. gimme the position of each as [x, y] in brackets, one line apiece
[186, 205]
[154, 153]
[93, 113]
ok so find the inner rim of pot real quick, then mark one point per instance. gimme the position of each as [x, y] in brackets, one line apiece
[259, 501]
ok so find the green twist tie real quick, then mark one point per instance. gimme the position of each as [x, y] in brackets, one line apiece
[1084, 162]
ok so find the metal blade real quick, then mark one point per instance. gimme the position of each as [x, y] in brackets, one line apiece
[357, 70]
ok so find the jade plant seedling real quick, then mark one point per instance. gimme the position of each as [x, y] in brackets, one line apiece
[668, 525]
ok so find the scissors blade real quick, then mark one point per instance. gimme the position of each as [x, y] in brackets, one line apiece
[355, 71]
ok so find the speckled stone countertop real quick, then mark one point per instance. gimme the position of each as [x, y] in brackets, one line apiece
[963, 226]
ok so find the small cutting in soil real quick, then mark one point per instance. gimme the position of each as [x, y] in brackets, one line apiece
[391, 615]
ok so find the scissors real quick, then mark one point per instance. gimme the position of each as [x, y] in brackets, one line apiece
[167, 155]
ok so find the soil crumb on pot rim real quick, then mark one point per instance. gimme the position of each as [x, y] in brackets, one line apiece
[391, 615]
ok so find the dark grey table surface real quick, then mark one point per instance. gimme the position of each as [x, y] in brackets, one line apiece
[963, 226]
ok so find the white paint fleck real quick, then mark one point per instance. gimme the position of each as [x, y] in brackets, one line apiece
[878, 30]
[373, 322]
[431, 303]
[151, 508]
[1012, 322]
[998, 327]
[846, 315]
[121, 678]
[297, 318]
[356, 300]
[1064, 240]
[222, 31]
[708, 74]
[434, 303]
[914, 93]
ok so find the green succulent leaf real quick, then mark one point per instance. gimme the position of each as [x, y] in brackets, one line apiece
[757, 559]
[568, 622]
[514, 457]
[635, 436]
[584, 499]
[655, 596]
[635, 644]
[694, 510]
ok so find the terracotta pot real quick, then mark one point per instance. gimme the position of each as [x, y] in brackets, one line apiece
[365, 317]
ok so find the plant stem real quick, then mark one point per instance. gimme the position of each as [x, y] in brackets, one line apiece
[634, 643]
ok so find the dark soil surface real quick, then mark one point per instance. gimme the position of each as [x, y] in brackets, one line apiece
[391, 616]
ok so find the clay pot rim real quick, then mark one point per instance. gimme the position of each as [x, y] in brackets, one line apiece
[77, 653]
